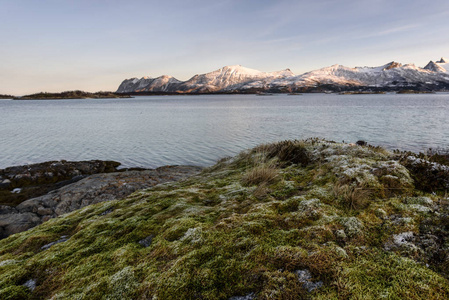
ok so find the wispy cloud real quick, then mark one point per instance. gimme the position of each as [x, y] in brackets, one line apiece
[390, 31]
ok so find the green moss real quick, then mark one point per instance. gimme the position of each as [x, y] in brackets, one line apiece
[331, 209]
[14, 292]
[378, 275]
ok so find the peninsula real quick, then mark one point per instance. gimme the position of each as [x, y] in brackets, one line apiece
[71, 95]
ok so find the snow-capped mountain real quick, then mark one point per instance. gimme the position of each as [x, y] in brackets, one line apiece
[439, 66]
[391, 76]
[146, 84]
[230, 78]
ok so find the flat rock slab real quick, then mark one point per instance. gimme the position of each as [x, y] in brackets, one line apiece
[90, 190]
[20, 183]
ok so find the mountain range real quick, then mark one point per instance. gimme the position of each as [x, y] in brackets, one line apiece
[392, 76]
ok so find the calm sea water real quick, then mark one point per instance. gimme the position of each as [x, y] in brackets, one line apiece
[198, 130]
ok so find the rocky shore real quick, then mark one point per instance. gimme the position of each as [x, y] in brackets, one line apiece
[20, 183]
[33, 194]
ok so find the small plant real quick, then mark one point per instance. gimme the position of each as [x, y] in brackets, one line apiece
[292, 152]
[352, 197]
[289, 152]
[428, 176]
[261, 191]
[439, 155]
[260, 174]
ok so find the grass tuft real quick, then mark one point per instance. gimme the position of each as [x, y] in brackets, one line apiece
[260, 175]
[351, 196]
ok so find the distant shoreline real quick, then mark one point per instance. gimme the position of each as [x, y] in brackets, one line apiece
[73, 95]
[6, 97]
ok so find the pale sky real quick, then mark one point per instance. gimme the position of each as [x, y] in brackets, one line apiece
[92, 45]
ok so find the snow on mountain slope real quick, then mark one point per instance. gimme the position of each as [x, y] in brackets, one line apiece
[434, 67]
[238, 78]
[146, 84]
[390, 74]
[443, 63]
[229, 78]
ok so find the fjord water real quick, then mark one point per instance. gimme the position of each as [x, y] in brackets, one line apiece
[199, 130]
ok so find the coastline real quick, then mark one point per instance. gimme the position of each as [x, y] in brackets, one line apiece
[317, 90]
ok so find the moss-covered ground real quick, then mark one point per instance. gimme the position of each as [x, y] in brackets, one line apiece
[297, 219]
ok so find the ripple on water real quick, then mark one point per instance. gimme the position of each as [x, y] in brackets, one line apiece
[198, 130]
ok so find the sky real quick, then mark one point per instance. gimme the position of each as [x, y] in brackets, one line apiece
[93, 45]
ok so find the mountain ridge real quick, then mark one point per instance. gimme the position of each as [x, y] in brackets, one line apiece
[392, 76]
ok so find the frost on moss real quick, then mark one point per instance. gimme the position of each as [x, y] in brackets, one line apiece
[298, 219]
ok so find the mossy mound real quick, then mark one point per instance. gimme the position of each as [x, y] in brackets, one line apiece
[319, 220]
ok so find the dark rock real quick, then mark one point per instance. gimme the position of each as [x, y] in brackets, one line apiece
[305, 278]
[31, 284]
[29, 181]
[107, 211]
[5, 184]
[63, 239]
[44, 211]
[146, 242]
[250, 296]
[361, 143]
[4, 209]
[17, 222]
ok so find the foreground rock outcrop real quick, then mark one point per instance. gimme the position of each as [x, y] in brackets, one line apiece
[20, 183]
[292, 220]
[90, 190]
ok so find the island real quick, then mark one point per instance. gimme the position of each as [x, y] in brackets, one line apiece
[71, 95]
[6, 96]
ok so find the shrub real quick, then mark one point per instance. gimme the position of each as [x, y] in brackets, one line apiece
[428, 176]
[439, 155]
[288, 152]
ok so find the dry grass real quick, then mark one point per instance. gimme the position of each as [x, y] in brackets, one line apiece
[261, 191]
[288, 152]
[263, 174]
[351, 196]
